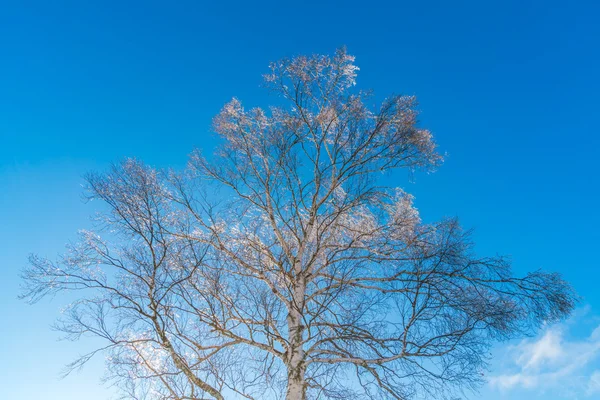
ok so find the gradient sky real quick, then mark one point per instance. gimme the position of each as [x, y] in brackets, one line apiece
[509, 89]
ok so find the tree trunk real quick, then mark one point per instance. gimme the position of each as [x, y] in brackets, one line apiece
[296, 388]
[296, 368]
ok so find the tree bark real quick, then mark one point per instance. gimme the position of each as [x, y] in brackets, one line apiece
[296, 368]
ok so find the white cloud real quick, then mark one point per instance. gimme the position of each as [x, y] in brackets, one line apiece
[509, 381]
[552, 360]
[594, 383]
[544, 351]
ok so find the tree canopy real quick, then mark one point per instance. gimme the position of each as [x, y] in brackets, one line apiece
[282, 267]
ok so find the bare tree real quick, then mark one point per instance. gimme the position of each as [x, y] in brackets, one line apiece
[302, 277]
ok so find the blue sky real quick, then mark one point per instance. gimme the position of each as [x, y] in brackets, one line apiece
[509, 89]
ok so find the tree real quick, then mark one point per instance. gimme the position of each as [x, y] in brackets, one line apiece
[282, 267]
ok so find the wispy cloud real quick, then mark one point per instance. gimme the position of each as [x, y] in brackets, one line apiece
[593, 386]
[554, 359]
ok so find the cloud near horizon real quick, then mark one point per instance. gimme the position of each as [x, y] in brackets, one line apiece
[553, 360]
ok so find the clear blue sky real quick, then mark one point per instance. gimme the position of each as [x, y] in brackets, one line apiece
[509, 89]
